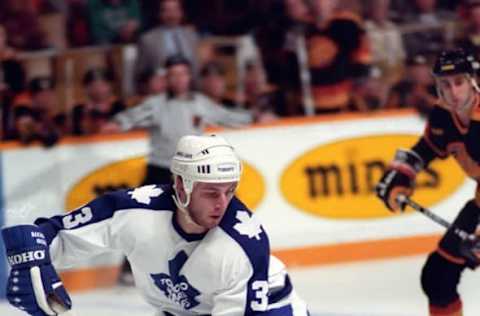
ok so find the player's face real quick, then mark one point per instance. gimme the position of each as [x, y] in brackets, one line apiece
[209, 201]
[456, 90]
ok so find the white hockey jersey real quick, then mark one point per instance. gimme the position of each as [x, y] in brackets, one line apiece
[226, 271]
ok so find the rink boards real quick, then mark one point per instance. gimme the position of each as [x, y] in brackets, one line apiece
[309, 180]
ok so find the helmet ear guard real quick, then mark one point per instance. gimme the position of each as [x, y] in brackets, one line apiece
[187, 187]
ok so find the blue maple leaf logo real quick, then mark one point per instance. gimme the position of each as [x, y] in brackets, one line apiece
[175, 286]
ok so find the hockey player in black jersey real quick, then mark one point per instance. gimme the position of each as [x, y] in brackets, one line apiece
[453, 128]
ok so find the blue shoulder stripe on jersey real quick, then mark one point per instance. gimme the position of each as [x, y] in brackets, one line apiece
[155, 198]
[239, 223]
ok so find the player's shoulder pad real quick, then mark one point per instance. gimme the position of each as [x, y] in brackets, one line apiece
[246, 230]
[151, 197]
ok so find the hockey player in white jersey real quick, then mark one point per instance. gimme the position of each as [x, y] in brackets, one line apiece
[194, 248]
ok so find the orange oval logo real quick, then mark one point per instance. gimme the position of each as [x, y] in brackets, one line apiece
[131, 172]
[337, 180]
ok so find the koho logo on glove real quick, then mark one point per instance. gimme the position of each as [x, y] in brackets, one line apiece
[25, 257]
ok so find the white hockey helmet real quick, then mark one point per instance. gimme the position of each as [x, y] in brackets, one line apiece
[204, 159]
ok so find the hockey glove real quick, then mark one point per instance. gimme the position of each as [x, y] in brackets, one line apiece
[399, 179]
[470, 250]
[33, 284]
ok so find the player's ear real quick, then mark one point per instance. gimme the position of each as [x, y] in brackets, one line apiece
[179, 186]
[177, 182]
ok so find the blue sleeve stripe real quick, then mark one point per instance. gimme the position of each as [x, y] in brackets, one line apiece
[104, 207]
[281, 311]
[49, 227]
[285, 291]
[101, 208]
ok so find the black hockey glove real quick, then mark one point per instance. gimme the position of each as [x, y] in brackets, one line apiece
[399, 179]
[470, 249]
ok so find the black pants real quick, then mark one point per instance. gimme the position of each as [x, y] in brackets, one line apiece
[467, 220]
[157, 175]
[442, 272]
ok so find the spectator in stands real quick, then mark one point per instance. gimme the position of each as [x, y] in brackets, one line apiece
[114, 21]
[417, 90]
[372, 93]
[170, 37]
[150, 83]
[77, 24]
[101, 105]
[470, 38]
[213, 84]
[388, 52]
[427, 33]
[260, 96]
[338, 54]
[297, 11]
[21, 22]
[12, 82]
[40, 120]
[278, 42]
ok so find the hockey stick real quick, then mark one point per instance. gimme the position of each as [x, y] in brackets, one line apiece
[60, 310]
[403, 199]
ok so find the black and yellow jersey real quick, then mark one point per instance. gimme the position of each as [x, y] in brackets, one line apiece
[446, 135]
[337, 53]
